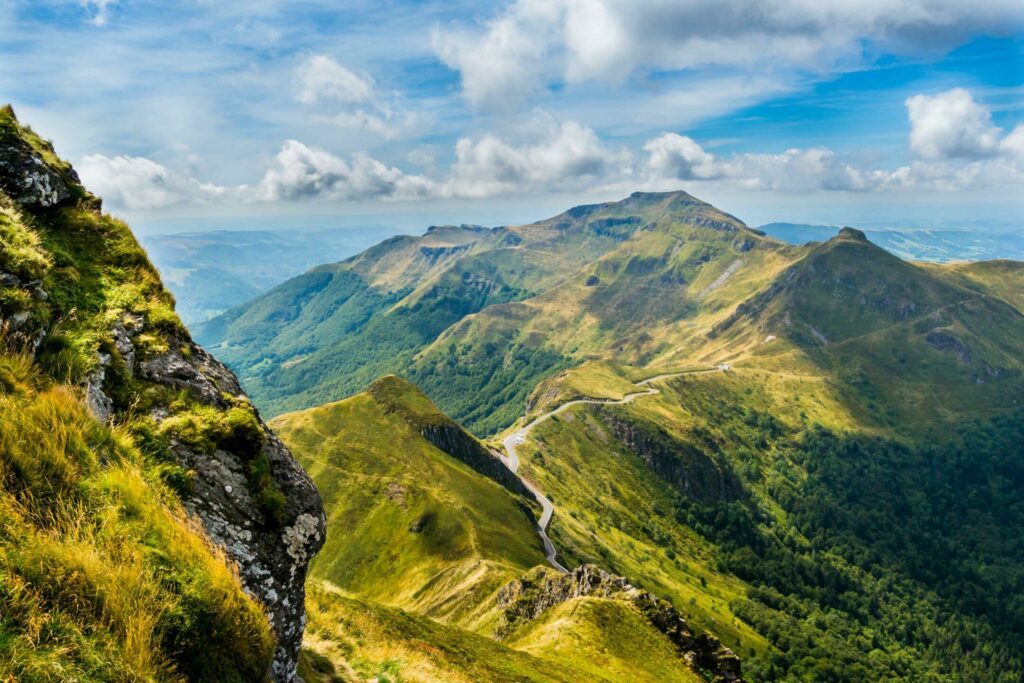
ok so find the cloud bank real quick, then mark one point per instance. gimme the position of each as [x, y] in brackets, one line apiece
[953, 145]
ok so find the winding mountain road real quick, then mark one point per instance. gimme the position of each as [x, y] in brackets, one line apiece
[517, 438]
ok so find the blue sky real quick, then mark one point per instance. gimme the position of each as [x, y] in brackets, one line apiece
[194, 113]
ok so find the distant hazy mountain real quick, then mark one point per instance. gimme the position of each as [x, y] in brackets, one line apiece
[210, 272]
[941, 245]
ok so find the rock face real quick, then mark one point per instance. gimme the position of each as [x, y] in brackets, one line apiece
[453, 440]
[27, 179]
[272, 558]
[397, 397]
[688, 469]
[943, 340]
[272, 552]
[527, 598]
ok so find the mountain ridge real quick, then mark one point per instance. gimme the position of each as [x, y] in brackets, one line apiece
[475, 271]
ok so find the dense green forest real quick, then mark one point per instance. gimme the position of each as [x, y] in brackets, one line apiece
[892, 561]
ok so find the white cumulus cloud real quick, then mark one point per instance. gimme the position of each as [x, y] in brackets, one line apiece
[951, 125]
[676, 157]
[680, 158]
[140, 183]
[555, 156]
[302, 172]
[953, 143]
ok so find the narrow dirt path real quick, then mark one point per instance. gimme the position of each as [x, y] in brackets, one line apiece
[517, 438]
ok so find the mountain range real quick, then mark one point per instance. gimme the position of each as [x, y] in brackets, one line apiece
[787, 442]
[635, 441]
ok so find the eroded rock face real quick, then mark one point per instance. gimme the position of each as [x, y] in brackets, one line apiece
[27, 179]
[943, 340]
[454, 441]
[18, 322]
[525, 599]
[272, 559]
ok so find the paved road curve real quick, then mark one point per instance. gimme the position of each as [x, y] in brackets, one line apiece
[511, 459]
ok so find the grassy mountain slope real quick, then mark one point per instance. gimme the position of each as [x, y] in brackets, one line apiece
[580, 631]
[839, 505]
[909, 346]
[1002, 278]
[103, 575]
[838, 556]
[413, 527]
[349, 638]
[847, 352]
[422, 530]
[863, 386]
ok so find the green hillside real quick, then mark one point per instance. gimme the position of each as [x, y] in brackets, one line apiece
[838, 555]
[415, 580]
[819, 471]
[416, 527]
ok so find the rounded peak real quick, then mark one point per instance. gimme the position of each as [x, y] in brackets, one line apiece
[852, 234]
[391, 381]
[398, 395]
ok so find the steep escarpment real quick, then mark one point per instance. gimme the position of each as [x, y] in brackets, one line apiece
[686, 465]
[85, 321]
[405, 400]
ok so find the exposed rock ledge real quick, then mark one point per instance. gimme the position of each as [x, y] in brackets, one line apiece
[529, 597]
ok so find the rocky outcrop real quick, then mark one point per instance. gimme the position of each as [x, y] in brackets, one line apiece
[17, 321]
[526, 599]
[272, 551]
[27, 179]
[943, 340]
[687, 468]
[453, 440]
[272, 556]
